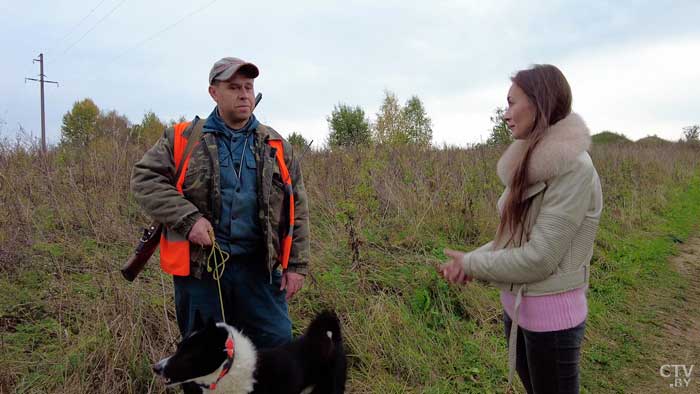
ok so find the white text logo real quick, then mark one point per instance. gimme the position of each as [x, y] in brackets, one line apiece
[681, 374]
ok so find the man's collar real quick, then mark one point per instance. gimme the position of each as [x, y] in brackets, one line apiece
[215, 124]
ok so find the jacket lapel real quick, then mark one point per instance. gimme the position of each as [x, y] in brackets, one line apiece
[533, 190]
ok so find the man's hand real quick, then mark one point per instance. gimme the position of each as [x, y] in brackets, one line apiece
[199, 233]
[452, 270]
[292, 282]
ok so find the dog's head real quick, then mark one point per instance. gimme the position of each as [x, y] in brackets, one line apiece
[203, 357]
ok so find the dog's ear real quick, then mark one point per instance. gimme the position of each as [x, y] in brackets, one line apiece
[198, 323]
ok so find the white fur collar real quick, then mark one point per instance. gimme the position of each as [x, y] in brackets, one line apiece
[562, 143]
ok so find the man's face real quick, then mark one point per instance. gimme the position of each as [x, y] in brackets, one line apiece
[235, 99]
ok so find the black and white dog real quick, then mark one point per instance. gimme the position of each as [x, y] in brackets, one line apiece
[219, 357]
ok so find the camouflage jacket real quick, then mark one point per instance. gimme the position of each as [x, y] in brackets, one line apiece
[153, 187]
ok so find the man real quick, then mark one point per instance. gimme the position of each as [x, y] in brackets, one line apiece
[232, 185]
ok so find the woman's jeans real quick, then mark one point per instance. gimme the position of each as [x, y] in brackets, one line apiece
[548, 362]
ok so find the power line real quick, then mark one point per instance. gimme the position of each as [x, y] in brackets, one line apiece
[191, 13]
[94, 26]
[75, 27]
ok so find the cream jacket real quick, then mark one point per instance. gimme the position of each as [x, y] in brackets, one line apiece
[552, 251]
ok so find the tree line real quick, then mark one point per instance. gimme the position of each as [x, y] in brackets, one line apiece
[348, 125]
[85, 122]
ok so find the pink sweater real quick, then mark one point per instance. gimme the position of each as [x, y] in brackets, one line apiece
[549, 313]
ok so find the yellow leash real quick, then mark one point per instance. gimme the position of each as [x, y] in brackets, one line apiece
[219, 258]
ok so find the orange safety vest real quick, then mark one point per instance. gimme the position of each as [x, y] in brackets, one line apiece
[175, 248]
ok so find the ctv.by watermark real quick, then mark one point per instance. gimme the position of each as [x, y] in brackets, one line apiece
[681, 374]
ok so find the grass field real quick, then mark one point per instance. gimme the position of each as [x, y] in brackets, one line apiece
[380, 217]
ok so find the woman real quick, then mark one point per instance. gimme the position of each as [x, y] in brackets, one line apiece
[549, 215]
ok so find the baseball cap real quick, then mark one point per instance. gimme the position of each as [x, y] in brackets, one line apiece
[224, 69]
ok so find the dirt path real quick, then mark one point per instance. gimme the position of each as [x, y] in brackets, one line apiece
[679, 341]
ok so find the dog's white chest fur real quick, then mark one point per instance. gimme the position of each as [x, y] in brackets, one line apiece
[239, 379]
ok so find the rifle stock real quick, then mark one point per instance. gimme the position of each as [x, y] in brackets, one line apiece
[144, 250]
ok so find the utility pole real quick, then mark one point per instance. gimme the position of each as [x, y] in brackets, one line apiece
[41, 81]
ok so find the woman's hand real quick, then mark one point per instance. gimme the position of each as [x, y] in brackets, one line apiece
[452, 270]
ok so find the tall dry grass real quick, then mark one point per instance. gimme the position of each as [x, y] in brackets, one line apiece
[70, 324]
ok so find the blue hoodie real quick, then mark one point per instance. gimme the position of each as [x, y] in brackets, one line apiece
[239, 231]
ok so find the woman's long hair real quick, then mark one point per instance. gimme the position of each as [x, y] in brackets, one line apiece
[550, 93]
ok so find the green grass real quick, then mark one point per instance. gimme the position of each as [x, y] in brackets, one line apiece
[419, 315]
[70, 324]
[632, 284]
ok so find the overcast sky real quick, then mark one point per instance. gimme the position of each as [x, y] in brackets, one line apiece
[632, 65]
